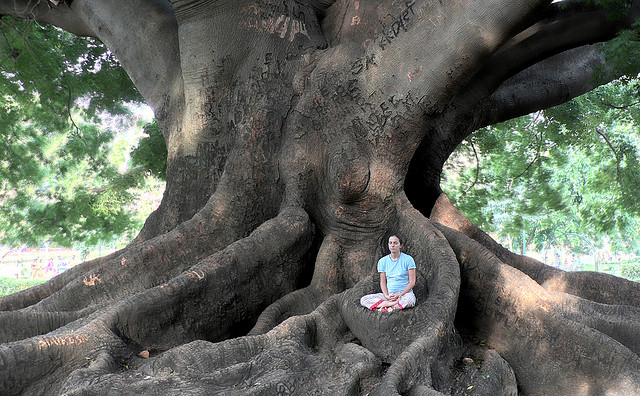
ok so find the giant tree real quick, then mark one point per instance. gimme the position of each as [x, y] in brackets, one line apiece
[300, 134]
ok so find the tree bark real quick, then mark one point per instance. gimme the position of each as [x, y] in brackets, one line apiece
[300, 135]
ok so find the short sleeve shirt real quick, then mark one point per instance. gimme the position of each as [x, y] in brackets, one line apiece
[396, 271]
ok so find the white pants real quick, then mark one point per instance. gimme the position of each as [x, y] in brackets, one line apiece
[371, 301]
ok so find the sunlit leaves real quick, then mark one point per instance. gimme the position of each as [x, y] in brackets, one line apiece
[64, 178]
[570, 169]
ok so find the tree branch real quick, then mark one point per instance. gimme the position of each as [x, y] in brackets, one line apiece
[536, 69]
[44, 11]
[547, 83]
[475, 153]
[533, 60]
[465, 47]
[540, 141]
[615, 153]
[625, 107]
[150, 24]
[565, 29]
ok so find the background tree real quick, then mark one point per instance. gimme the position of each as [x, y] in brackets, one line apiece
[568, 169]
[299, 135]
[64, 173]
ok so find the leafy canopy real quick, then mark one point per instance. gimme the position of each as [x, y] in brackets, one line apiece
[571, 169]
[65, 171]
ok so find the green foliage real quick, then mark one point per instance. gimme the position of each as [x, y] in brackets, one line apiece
[64, 172]
[151, 152]
[10, 285]
[573, 168]
[631, 271]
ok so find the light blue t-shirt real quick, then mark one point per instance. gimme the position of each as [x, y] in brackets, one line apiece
[397, 272]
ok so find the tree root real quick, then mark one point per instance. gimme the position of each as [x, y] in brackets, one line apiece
[196, 304]
[309, 354]
[139, 266]
[537, 331]
[420, 335]
[333, 272]
[599, 287]
[418, 341]
[320, 339]
[305, 300]
[340, 347]
[299, 302]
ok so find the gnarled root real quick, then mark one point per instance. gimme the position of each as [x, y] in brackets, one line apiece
[199, 303]
[305, 300]
[599, 287]
[521, 330]
[418, 342]
[309, 354]
[340, 347]
[556, 343]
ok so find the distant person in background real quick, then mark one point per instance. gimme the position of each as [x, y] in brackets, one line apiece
[37, 267]
[50, 268]
[62, 265]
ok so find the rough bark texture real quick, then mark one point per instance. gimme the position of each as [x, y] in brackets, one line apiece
[300, 135]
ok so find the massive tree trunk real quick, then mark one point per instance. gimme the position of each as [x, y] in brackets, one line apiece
[300, 135]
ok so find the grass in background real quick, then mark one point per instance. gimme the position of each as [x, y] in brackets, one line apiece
[10, 285]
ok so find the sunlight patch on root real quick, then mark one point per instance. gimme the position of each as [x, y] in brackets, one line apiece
[596, 286]
[620, 322]
[535, 332]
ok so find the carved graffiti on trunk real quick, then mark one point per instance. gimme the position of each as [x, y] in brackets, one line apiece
[398, 26]
[363, 63]
[196, 274]
[285, 18]
[62, 341]
[92, 279]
